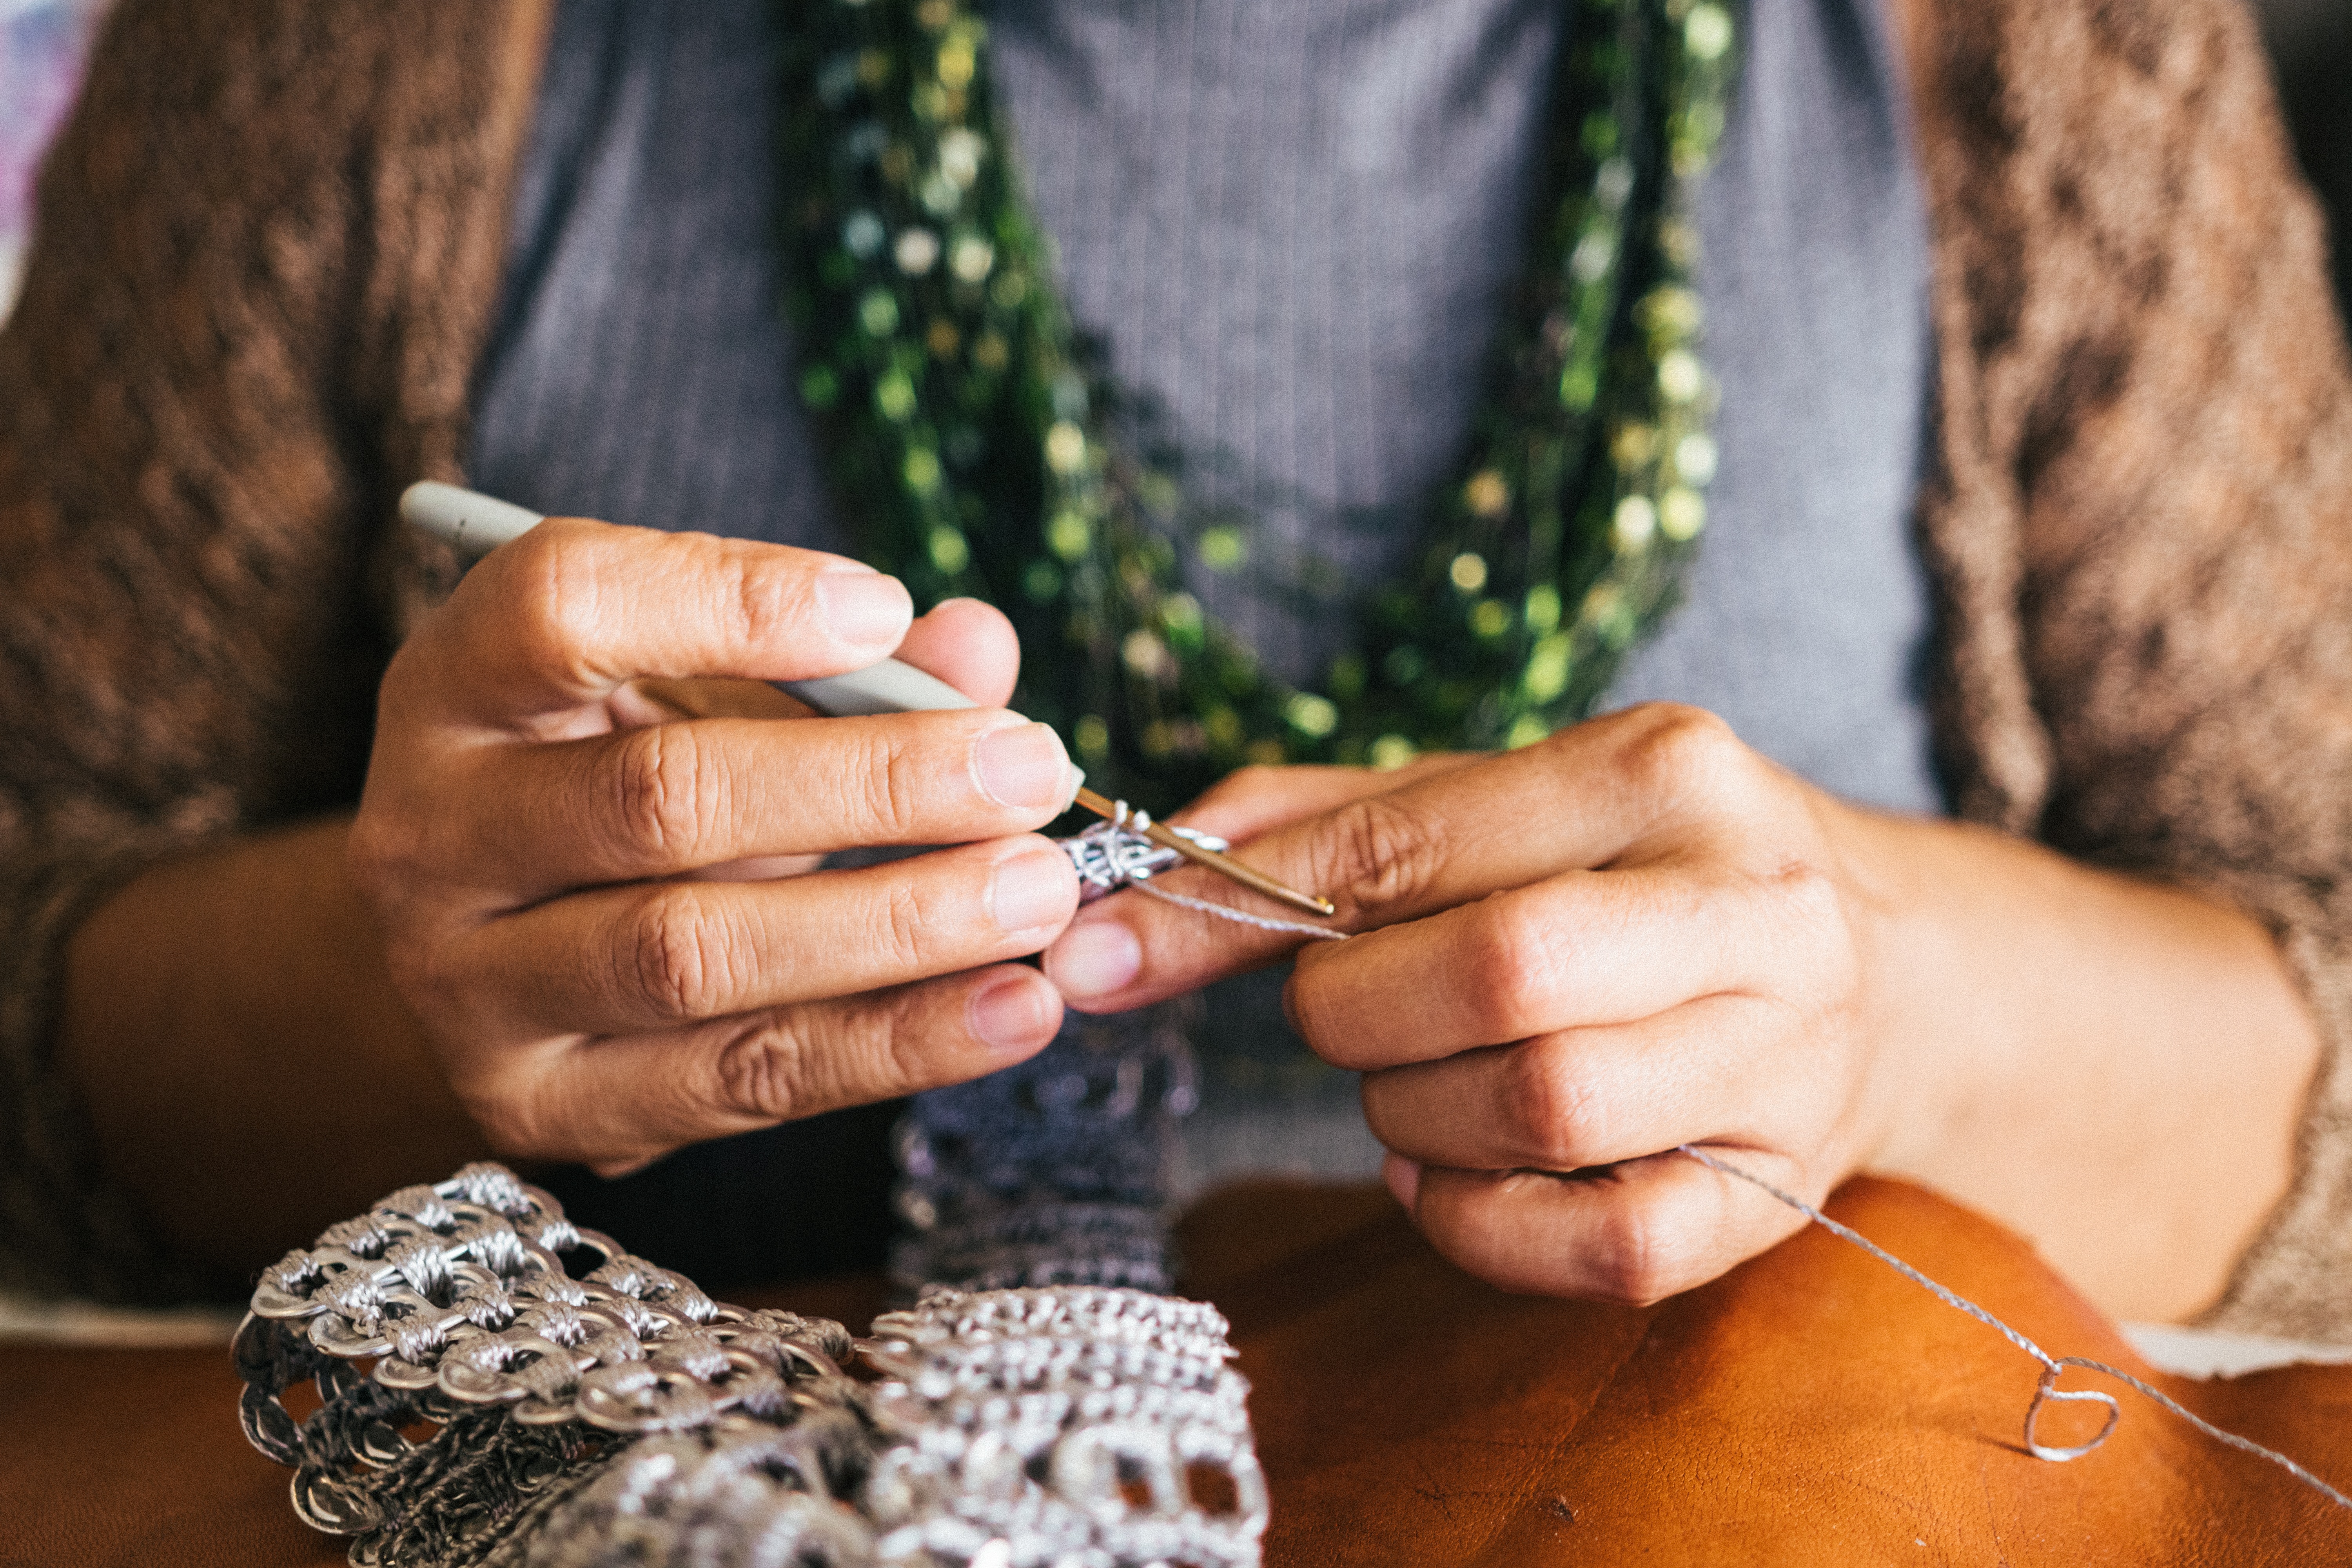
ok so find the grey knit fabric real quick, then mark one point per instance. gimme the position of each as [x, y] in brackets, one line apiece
[1292, 224]
[1807, 622]
[640, 370]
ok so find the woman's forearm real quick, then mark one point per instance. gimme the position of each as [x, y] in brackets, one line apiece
[2118, 1067]
[250, 1071]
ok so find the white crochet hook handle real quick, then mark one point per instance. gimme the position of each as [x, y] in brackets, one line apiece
[476, 524]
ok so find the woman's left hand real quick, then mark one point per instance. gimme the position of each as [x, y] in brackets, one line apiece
[1572, 958]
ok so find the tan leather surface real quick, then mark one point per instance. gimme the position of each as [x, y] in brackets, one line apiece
[133, 1458]
[1811, 1407]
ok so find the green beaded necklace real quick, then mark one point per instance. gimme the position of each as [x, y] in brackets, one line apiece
[974, 446]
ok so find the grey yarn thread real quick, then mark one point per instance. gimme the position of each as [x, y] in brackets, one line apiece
[2053, 1367]
[1113, 855]
[1263, 922]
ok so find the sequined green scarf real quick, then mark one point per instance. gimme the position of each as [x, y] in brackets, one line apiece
[976, 449]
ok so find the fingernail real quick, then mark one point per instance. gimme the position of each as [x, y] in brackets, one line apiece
[1403, 1177]
[1022, 766]
[1032, 891]
[1013, 1014]
[1095, 959]
[864, 607]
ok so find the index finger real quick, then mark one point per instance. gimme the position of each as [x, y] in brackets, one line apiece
[566, 614]
[1580, 800]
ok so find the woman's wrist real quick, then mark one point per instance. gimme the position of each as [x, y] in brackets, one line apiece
[1941, 1035]
[2112, 1066]
[247, 1066]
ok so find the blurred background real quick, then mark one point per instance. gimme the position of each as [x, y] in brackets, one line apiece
[41, 47]
[42, 43]
[2311, 47]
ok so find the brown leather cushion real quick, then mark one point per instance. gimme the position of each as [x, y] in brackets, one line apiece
[1811, 1407]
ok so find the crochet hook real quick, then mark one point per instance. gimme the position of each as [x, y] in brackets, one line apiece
[1202, 854]
[477, 524]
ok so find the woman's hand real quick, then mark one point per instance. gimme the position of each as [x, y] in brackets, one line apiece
[581, 892]
[1574, 957]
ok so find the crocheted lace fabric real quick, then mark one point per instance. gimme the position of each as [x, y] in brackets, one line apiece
[1042, 1404]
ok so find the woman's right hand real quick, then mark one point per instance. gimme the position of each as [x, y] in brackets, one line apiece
[577, 888]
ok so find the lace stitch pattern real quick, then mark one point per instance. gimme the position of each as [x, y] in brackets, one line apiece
[624, 1417]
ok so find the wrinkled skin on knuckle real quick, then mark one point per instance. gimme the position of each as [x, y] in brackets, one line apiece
[1549, 1105]
[762, 1071]
[773, 597]
[1378, 854]
[551, 604]
[796, 1062]
[674, 957]
[890, 775]
[1511, 947]
[1634, 1257]
[667, 800]
[904, 925]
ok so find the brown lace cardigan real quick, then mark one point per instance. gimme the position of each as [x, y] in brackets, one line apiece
[270, 240]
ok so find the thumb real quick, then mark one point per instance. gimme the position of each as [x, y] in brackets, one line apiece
[1454, 831]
